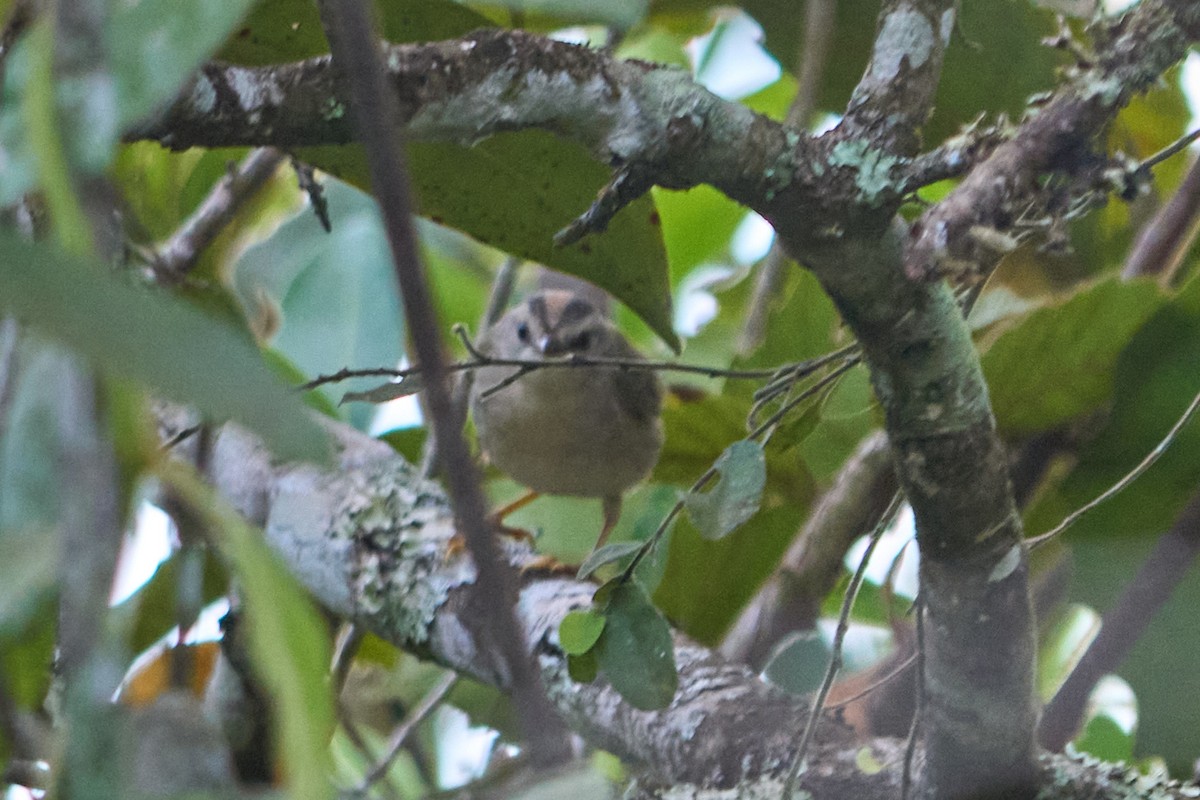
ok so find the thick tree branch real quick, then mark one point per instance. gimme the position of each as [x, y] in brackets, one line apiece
[372, 541]
[895, 96]
[979, 711]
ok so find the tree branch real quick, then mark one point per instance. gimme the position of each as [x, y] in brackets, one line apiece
[1140, 46]
[372, 541]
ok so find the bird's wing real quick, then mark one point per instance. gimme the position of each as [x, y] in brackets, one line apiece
[638, 391]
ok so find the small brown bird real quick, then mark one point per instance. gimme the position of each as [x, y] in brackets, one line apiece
[583, 431]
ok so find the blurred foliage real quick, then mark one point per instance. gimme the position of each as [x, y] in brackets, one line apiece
[1070, 351]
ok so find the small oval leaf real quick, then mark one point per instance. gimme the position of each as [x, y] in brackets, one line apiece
[579, 630]
[392, 390]
[607, 554]
[635, 651]
[583, 669]
[742, 471]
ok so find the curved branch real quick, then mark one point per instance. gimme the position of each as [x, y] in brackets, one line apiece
[372, 541]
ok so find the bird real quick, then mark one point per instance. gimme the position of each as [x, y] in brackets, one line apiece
[585, 431]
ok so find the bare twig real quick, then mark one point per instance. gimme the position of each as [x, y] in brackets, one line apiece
[627, 185]
[1127, 479]
[179, 254]
[914, 731]
[839, 636]
[501, 291]
[1162, 245]
[895, 672]
[762, 431]
[1174, 147]
[780, 376]
[400, 735]
[306, 179]
[356, 57]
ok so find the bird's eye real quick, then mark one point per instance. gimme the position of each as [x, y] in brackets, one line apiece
[523, 332]
[581, 341]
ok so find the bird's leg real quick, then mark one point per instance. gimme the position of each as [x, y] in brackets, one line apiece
[612, 512]
[496, 518]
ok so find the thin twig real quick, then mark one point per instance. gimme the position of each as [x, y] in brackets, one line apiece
[839, 636]
[914, 730]
[825, 381]
[400, 735]
[876, 684]
[764, 429]
[359, 70]
[479, 359]
[498, 297]
[179, 254]
[1125, 481]
[1171, 149]
[1161, 246]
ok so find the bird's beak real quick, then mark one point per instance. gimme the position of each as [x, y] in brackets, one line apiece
[550, 346]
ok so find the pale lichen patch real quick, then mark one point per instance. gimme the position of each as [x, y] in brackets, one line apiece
[400, 527]
[905, 34]
[872, 166]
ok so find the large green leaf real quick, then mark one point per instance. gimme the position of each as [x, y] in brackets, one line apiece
[1057, 362]
[276, 31]
[287, 641]
[1156, 378]
[620, 14]
[538, 185]
[336, 292]
[155, 44]
[706, 583]
[155, 340]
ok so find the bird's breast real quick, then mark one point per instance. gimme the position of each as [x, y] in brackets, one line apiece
[561, 431]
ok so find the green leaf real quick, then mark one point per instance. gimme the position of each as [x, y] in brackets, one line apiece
[742, 474]
[706, 583]
[337, 311]
[155, 340]
[579, 630]
[1113, 719]
[620, 14]
[546, 183]
[276, 31]
[608, 554]
[583, 668]
[287, 641]
[635, 651]
[155, 44]
[156, 604]
[1062, 645]
[697, 226]
[799, 662]
[1057, 363]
